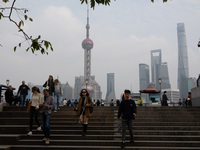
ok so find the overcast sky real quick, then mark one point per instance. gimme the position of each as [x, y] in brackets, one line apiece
[123, 33]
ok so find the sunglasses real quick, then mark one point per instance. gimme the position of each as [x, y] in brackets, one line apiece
[84, 92]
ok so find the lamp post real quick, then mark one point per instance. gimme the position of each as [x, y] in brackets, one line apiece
[7, 82]
[160, 81]
[86, 82]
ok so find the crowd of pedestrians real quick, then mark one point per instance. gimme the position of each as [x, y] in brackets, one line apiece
[50, 100]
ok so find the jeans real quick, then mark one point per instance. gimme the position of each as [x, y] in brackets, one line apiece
[46, 124]
[57, 97]
[129, 123]
[22, 99]
[33, 112]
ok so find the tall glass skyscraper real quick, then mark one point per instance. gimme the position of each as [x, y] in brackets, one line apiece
[164, 75]
[183, 69]
[110, 86]
[144, 76]
[156, 60]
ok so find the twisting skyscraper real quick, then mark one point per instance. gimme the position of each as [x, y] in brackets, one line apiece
[183, 70]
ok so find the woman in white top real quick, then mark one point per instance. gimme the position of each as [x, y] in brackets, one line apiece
[35, 101]
[57, 94]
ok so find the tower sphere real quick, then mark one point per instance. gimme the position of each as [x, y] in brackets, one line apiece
[87, 44]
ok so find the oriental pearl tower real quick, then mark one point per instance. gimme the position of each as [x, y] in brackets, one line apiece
[87, 45]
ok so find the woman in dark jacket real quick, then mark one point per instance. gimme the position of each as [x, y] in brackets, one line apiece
[49, 84]
[83, 109]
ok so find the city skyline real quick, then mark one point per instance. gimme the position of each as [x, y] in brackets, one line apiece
[122, 41]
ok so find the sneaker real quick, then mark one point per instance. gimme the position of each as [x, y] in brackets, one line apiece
[47, 141]
[123, 144]
[44, 139]
[30, 133]
[39, 129]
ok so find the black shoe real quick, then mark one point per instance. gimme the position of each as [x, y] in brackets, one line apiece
[83, 134]
[131, 140]
[123, 145]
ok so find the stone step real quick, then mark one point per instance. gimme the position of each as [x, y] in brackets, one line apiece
[115, 137]
[100, 127]
[50, 147]
[24, 130]
[112, 143]
[94, 121]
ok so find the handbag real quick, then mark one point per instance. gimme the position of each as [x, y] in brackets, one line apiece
[28, 108]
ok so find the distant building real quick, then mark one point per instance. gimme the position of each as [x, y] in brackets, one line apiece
[172, 95]
[156, 60]
[192, 83]
[87, 81]
[79, 82]
[144, 76]
[164, 75]
[94, 89]
[183, 68]
[110, 86]
[67, 91]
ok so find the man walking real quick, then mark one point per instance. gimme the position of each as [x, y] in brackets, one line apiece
[128, 110]
[47, 108]
[164, 98]
[23, 91]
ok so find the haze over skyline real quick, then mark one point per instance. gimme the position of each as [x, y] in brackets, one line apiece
[123, 33]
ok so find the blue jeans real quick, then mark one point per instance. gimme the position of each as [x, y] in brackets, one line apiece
[57, 96]
[22, 99]
[46, 124]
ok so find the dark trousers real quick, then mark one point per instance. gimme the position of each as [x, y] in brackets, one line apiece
[32, 113]
[129, 123]
[22, 99]
[46, 124]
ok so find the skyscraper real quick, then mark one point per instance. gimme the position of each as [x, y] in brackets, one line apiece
[87, 45]
[164, 75]
[144, 76]
[80, 82]
[183, 69]
[156, 60]
[110, 86]
[67, 91]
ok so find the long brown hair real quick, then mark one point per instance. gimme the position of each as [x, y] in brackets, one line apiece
[87, 94]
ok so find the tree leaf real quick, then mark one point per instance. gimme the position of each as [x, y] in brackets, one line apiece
[15, 48]
[31, 19]
[20, 23]
[25, 17]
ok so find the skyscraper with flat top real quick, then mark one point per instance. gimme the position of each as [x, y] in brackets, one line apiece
[156, 60]
[110, 86]
[144, 76]
[183, 69]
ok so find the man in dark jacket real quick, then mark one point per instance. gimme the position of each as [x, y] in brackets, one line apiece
[128, 110]
[23, 91]
[10, 98]
[164, 99]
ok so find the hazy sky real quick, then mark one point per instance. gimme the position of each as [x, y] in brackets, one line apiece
[123, 33]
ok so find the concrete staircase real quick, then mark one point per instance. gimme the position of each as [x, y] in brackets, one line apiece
[155, 128]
